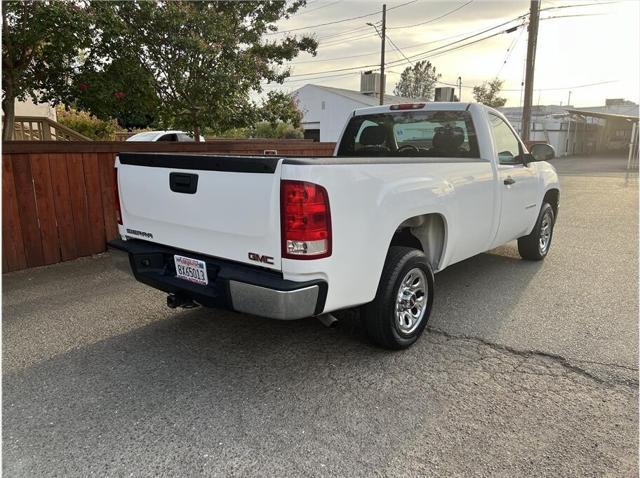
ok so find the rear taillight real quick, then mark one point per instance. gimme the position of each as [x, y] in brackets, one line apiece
[116, 193]
[306, 220]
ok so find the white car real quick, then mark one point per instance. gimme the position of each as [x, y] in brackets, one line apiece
[411, 189]
[172, 136]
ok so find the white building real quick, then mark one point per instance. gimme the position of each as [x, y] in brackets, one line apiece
[39, 110]
[325, 110]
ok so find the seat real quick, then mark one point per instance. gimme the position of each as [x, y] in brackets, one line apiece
[373, 139]
[447, 140]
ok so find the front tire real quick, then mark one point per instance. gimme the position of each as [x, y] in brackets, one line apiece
[535, 246]
[402, 306]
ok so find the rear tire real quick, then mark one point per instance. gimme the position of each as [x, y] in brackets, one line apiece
[402, 306]
[535, 246]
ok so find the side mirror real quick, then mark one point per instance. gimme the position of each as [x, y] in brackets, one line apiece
[542, 152]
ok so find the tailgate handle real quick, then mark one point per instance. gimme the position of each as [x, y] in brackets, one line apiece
[183, 183]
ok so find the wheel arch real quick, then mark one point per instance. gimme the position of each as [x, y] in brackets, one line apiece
[426, 232]
[552, 196]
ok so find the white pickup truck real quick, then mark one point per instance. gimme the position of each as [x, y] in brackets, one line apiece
[410, 190]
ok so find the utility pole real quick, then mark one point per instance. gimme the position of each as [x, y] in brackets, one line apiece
[459, 88]
[384, 32]
[534, 17]
[569, 101]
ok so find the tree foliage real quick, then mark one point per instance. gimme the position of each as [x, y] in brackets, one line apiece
[40, 45]
[200, 59]
[279, 117]
[487, 93]
[120, 90]
[280, 107]
[418, 81]
[181, 64]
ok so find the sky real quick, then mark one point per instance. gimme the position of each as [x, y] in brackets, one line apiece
[594, 52]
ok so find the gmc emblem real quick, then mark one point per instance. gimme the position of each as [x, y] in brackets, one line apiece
[259, 258]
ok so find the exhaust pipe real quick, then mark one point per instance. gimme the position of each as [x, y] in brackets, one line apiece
[328, 320]
[175, 300]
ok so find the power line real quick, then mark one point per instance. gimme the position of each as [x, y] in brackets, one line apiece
[341, 41]
[398, 49]
[543, 89]
[434, 52]
[405, 48]
[360, 29]
[434, 19]
[318, 8]
[352, 31]
[577, 5]
[340, 21]
[406, 26]
[573, 87]
[422, 54]
[321, 77]
[510, 50]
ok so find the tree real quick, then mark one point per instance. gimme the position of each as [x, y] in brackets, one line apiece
[121, 90]
[202, 59]
[40, 45]
[418, 81]
[280, 107]
[487, 93]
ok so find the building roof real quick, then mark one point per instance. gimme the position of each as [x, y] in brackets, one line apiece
[603, 115]
[628, 111]
[366, 100]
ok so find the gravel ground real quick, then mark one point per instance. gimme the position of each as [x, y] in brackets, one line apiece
[526, 369]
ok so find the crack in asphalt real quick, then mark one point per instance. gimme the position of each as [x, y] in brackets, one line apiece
[558, 359]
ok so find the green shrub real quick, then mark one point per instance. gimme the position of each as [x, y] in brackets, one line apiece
[233, 133]
[264, 130]
[279, 131]
[87, 125]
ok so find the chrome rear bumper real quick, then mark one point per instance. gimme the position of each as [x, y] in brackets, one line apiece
[275, 304]
[234, 286]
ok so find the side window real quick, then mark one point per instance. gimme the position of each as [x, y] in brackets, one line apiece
[185, 138]
[507, 144]
[168, 137]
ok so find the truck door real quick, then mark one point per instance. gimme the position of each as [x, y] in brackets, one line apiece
[518, 184]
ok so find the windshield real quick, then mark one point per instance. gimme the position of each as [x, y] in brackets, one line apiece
[444, 134]
[149, 136]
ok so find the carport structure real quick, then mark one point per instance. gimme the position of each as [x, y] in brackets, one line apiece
[609, 132]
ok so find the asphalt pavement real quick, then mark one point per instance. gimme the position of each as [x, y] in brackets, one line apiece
[526, 369]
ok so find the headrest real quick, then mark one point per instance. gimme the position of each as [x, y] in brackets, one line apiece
[373, 135]
[448, 138]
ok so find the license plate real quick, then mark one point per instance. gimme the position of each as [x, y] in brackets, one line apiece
[192, 270]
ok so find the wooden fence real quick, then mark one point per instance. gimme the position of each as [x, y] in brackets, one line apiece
[57, 198]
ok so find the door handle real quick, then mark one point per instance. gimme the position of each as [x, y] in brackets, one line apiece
[183, 183]
[509, 181]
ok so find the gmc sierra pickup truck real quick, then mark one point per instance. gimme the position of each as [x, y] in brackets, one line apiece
[411, 189]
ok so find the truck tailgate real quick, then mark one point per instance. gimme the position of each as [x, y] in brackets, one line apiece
[222, 206]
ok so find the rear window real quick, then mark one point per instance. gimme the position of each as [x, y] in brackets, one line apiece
[443, 134]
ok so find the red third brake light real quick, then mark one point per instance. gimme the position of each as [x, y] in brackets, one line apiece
[117, 195]
[407, 106]
[306, 220]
